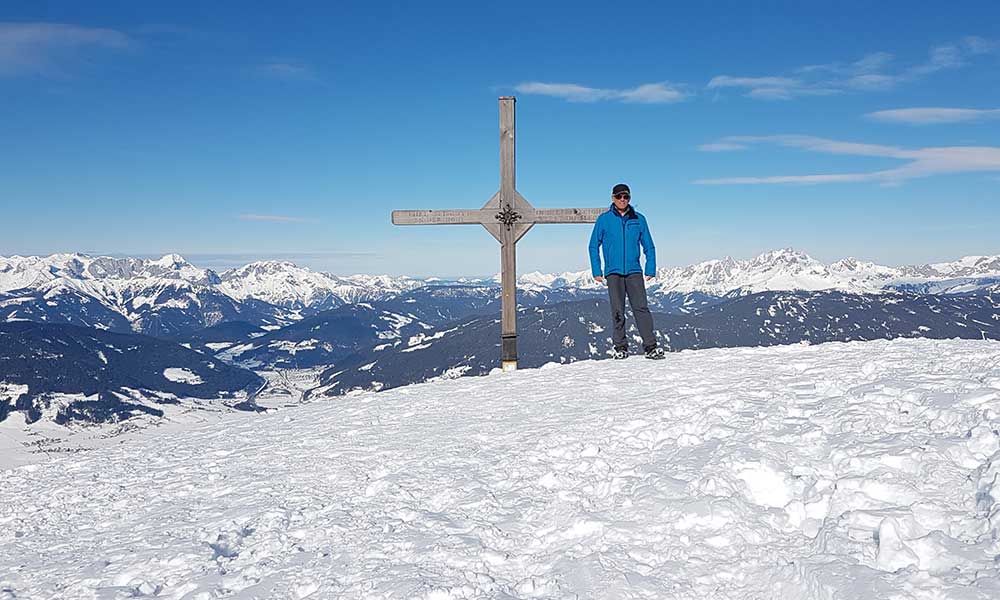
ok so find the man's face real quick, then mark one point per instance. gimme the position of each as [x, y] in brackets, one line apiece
[621, 200]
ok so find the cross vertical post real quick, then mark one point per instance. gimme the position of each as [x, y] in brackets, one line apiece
[508, 256]
[507, 216]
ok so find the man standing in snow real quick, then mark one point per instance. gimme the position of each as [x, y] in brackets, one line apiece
[618, 234]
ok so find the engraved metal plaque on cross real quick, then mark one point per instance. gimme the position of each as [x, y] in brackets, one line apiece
[507, 216]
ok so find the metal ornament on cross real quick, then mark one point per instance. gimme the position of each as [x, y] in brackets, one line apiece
[507, 216]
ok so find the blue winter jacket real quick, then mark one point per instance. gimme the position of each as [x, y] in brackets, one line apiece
[619, 237]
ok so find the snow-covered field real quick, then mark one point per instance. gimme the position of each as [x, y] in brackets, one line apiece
[22, 444]
[859, 470]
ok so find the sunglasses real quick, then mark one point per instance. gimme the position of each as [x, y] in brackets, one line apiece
[623, 196]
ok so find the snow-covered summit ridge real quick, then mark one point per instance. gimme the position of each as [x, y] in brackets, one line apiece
[286, 284]
[33, 271]
[281, 283]
[781, 270]
[857, 470]
[791, 269]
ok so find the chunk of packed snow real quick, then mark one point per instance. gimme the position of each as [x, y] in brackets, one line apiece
[179, 375]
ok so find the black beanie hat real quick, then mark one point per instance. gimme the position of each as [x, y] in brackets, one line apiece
[621, 187]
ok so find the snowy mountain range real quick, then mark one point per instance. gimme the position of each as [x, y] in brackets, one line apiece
[280, 283]
[375, 332]
[288, 285]
[788, 269]
[170, 296]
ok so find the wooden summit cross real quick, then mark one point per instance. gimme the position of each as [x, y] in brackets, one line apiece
[507, 216]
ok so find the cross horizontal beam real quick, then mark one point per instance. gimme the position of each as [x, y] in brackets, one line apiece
[566, 215]
[444, 217]
[484, 216]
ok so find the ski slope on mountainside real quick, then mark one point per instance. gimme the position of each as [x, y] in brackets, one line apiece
[841, 470]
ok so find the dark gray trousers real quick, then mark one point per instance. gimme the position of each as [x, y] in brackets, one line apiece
[634, 285]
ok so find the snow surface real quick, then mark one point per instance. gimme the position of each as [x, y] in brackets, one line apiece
[181, 375]
[22, 443]
[841, 470]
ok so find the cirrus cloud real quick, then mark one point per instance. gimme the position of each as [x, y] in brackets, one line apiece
[931, 116]
[920, 162]
[721, 147]
[42, 48]
[872, 72]
[647, 93]
[287, 70]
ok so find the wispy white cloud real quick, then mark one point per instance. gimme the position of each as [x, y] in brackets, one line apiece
[647, 93]
[769, 88]
[978, 45]
[43, 48]
[751, 82]
[272, 218]
[287, 70]
[778, 93]
[877, 71]
[567, 91]
[817, 144]
[931, 116]
[941, 58]
[872, 72]
[651, 93]
[921, 162]
[721, 147]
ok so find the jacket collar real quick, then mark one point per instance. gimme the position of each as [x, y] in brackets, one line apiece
[629, 212]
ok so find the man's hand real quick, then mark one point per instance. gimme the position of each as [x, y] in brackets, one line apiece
[649, 277]
[599, 279]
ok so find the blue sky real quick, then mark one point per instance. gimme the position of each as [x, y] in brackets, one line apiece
[230, 133]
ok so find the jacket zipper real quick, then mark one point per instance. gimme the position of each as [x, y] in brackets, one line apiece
[624, 266]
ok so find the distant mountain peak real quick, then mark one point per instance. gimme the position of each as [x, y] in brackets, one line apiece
[270, 266]
[289, 285]
[171, 261]
[786, 256]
